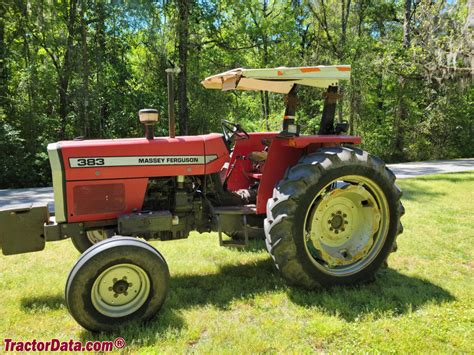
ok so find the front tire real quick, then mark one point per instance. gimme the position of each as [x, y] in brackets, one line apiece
[116, 282]
[334, 218]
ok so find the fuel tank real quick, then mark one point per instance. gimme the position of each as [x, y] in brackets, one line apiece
[102, 179]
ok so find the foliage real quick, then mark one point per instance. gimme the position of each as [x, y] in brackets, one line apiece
[84, 68]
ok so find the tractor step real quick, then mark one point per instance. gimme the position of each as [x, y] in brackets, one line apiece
[231, 212]
[243, 210]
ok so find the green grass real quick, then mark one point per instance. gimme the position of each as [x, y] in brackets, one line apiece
[231, 301]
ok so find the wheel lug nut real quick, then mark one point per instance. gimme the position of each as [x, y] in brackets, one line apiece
[330, 228]
[124, 278]
[342, 229]
[332, 214]
[338, 212]
[125, 293]
[110, 288]
[114, 280]
[329, 222]
[345, 222]
[344, 215]
[337, 232]
[115, 295]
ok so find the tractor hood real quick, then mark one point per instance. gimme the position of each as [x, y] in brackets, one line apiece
[101, 179]
[279, 80]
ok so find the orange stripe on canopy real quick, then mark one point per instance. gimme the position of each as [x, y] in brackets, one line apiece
[309, 70]
[343, 68]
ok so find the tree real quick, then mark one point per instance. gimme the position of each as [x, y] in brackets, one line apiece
[183, 39]
[81, 67]
[402, 113]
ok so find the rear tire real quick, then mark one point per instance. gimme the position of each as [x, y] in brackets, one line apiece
[116, 282]
[334, 218]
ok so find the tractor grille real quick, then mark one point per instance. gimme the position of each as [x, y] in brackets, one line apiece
[95, 199]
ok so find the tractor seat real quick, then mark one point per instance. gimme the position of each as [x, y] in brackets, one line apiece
[261, 156]
[258, 157]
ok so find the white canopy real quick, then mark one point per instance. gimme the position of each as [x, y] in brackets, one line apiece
[279, 80]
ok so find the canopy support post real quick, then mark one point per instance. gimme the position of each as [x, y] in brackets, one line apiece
[289, 128]
[329, 109]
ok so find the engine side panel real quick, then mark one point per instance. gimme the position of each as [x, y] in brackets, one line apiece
[95, 200]
[102, 179]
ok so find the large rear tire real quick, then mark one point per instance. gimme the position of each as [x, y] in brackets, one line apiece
[334, 218]
[116, 282]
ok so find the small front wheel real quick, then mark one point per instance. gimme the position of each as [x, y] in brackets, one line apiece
[116, 282]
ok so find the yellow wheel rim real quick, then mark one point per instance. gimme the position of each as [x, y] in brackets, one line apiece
[346, 225]
[120, 290]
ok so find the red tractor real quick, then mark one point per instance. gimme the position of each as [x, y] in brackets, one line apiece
[330, 211]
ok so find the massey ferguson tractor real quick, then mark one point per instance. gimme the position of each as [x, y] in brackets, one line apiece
[330, 212]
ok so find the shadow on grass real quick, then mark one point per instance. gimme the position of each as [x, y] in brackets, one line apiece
[460, 176]
[253, 246]
[391, 295]
[421, 189]
[42, 303]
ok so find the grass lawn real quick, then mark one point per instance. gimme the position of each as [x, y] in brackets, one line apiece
[232, 301]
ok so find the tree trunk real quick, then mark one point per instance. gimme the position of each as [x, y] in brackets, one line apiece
[63, 83]
[266, 98]
[406, 24]
[65, 70]
[3, 65]
[85, 73]
[345, 9]
[26, 52]
[402, 112]
[264, 109]
[380, 96]
[342, 53]
[99, 59]
[183, 39]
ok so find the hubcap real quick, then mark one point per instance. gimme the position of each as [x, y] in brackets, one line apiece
[120, 290]
[346, 225]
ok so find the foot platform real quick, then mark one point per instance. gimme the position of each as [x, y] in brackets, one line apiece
[233, 218]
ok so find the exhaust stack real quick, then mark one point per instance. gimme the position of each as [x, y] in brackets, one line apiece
[171, 116]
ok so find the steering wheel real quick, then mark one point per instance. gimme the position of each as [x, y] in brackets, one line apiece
[231, 130]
